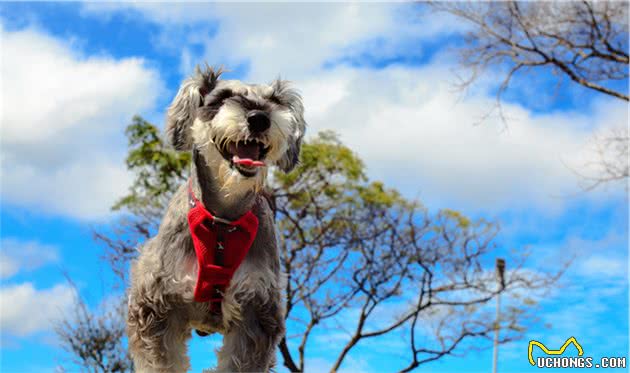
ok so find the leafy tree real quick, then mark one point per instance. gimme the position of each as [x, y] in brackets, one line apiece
[355, 247]
[585, 42]
[159, 170]
[353, 250]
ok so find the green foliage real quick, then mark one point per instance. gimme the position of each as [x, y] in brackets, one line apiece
[461, 220]
[329, 169]
[375, 193]
[158, 168]
[326, 170]
[327, 199]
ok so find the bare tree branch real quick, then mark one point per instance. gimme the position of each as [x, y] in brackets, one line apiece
[584, 41]
[94, 340]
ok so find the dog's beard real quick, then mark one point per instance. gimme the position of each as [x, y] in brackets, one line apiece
[231, 181]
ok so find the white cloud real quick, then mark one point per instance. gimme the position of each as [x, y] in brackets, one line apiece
[63, 119]
[294, 39]
[8, 267]
[602, 261]
[600, 266]
[288, 39]
[17, 255]
[408, 124]
[26, 310]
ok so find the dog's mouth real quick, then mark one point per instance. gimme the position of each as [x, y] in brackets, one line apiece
[245, 156]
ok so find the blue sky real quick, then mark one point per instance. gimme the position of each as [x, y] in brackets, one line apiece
[381, 76]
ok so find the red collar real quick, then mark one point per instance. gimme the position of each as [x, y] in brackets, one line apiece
[220, 245]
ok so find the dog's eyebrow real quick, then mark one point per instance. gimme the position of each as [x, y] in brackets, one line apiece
[221, 96]
[250, 104]
[275, 98]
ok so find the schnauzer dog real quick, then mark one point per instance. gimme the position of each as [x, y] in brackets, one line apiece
[214, 264]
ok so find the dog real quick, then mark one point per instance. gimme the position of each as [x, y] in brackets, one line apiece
[233, 131]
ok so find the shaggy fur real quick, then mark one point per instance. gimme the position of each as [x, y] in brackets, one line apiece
[205, 117]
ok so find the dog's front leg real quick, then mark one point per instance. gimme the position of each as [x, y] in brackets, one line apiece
[250, 341]
[157, 336]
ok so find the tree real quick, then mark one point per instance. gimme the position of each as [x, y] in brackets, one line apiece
[586, 41]
[583, 41]
[94, 339]
[610, 164]
[351, 249]
[159, 171]
[353, 244]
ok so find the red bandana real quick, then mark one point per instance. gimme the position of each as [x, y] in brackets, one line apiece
[220, 246]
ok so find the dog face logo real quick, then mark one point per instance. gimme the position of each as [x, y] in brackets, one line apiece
[239, 128]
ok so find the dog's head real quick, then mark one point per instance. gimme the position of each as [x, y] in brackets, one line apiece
[239, 128]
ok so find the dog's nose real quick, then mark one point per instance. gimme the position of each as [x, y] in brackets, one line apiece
[258, 121]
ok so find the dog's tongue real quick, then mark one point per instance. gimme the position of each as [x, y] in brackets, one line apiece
[246, 154]
[247, 162]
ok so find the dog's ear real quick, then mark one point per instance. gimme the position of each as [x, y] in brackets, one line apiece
[290, 98]
[183, 109]
[291, 157]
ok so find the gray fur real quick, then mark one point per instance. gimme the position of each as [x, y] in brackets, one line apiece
[287, 96]
[162, 311]
[184, 108]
